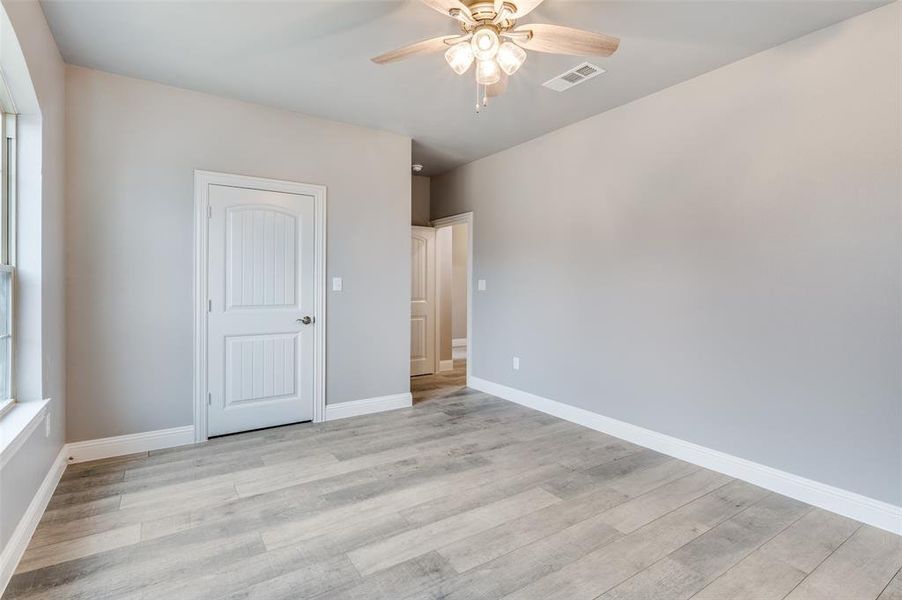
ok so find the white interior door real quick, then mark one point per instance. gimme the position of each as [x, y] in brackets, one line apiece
[422, 300]
[262, 293]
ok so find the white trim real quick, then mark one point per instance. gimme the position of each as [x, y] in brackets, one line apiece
[17, 424]
[15, 547]
[849, 504]
[202, 181]
[121, 445]
[343, 410]
[466, 218]
[458, 342]
[445, 365]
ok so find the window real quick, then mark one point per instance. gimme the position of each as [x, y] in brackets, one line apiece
[7, 249]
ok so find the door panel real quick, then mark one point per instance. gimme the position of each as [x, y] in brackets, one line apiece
[422, 300]
[260, 368]
[255, 236]
[261, 270]
[418, 338]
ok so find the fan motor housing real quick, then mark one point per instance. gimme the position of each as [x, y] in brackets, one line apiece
[484, 10]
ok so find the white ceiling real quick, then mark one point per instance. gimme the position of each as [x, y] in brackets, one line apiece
[313, 57]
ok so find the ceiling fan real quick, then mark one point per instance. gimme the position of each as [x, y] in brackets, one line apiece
[491, 37]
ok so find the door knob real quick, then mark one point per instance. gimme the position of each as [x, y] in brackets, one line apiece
[305, 320]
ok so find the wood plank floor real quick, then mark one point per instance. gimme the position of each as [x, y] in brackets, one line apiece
[462, 496]
[439, 385]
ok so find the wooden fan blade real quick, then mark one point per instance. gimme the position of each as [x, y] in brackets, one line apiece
[524, 7]
[450, 8]
[496, 89]
[425, 47]
[556, 39]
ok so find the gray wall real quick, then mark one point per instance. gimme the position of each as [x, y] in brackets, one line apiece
[419, 200]
[35, 73]
[719, 261]
[132, 148]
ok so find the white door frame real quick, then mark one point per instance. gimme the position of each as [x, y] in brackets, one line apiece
[202, 181]
[466, 218]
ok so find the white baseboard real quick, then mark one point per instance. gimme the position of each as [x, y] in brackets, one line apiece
[458, 342]
[15, 548]
[849, 504]
[121, 445]
[342, 410]
[445, 365]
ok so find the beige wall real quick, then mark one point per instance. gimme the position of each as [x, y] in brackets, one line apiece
[419, 200]
[133, 146]
[720, 261]
[451, 273]
[444, 256]
[459, 281]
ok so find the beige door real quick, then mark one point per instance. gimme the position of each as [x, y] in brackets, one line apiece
[422, 300]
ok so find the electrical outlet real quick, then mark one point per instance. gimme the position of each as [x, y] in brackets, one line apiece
[336, 284]
[516, 363]
[480, 285]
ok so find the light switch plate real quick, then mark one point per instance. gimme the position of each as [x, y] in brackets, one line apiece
[336, 284]
[516, 363]
[480, 285]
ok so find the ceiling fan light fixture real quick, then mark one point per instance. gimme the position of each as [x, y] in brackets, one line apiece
[487, 72]
[510, 57]
[489, 34]
[485, 42]
[459, 57]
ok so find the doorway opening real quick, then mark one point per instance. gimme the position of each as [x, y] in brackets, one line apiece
[441, 275]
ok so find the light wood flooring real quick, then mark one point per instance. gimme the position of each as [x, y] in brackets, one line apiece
[439, 385]
[461, 496]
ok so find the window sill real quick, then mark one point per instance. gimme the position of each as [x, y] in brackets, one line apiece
[17, 424]
[6, 406]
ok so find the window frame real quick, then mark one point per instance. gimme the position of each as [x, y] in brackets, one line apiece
[8, 189]
[6, 404]
[8, 230]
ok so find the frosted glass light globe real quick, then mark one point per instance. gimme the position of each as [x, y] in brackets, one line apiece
[485, 42]
[459, 57]
[510, 57]
[487, 72]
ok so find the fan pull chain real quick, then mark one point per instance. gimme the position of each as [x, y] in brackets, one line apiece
[482, 100]
[477, 97]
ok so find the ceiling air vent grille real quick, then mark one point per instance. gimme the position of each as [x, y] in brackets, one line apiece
[574, 76]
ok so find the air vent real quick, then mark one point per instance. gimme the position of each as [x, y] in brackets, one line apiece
[574, 76]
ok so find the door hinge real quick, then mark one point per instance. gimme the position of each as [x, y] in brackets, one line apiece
[209, 305]
[209, 212]
[209, 398]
